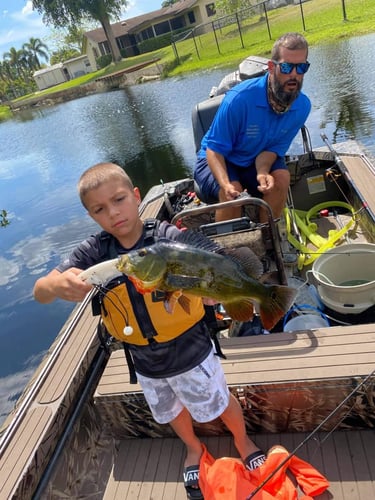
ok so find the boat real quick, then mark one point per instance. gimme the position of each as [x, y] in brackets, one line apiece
[81, 429]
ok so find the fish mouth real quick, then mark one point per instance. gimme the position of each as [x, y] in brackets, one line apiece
[124, 264]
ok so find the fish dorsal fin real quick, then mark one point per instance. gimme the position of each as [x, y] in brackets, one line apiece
[250, 262]
[198, 240]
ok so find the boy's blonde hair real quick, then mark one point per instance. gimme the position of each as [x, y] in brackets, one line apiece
[95, 176]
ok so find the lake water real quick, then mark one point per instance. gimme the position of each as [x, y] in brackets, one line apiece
[146, 128]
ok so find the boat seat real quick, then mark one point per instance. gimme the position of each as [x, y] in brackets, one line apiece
[202, 115]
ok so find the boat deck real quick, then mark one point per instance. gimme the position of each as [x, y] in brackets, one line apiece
[151, 468]
[328, 362]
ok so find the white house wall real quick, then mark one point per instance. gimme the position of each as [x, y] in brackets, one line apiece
[78, 67]
[49, 78]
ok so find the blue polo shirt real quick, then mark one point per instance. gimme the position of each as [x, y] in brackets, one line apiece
[245, 124]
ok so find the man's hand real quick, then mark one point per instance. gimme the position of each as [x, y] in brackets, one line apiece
[230, 192]
[266, 183]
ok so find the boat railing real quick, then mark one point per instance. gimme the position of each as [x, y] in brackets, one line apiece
[30, 393]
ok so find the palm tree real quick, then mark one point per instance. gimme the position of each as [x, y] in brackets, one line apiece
[38, 49]
[18, 60]
[15, 58]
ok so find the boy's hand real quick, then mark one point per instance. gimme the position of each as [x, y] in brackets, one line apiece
[56, 285]
[70, 287]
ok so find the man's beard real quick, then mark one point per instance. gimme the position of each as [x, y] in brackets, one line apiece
[282, 97]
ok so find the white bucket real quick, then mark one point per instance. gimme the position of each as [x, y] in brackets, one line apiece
[345, 277]
[305, 322]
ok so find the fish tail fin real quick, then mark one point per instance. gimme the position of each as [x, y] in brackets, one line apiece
[276, 304]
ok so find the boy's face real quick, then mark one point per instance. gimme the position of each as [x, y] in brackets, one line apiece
[114, 206]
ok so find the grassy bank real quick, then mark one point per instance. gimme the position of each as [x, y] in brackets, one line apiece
[319, 20]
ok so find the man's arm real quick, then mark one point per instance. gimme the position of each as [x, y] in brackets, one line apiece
[66, 285]
[216, 162]
[263, 164]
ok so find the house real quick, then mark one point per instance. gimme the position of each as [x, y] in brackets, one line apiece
[62, 72]
[130, 33]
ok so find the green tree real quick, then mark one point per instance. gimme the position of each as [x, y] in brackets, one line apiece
[38, 50]
[231, 6]
[4, 221]
[63, 54]
[168, 3]
[61, 13]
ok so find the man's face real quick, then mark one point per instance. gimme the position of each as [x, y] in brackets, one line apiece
[286, 87]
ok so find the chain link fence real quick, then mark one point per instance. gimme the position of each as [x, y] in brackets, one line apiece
[261, 23]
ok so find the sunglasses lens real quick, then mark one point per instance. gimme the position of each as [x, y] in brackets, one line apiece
[301, 68]
[286, 67]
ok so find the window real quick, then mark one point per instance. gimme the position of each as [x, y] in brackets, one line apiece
[147, 33]
[178, 23]
[191, 17]
[104, 48]
[210, 9]
[162, 28]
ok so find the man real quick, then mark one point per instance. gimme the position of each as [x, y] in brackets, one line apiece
[252, 130]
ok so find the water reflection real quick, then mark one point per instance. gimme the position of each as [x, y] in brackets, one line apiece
[147, 129]
[343, 74]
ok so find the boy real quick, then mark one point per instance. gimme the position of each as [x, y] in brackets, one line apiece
[180, 376]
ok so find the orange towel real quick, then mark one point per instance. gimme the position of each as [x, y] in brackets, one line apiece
[228, 479]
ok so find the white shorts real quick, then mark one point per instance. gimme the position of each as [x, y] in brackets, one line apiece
[202, 390]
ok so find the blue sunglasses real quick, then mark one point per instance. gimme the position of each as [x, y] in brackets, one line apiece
[286, 68]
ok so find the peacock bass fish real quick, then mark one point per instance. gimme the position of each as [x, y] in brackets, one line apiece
[196, 265]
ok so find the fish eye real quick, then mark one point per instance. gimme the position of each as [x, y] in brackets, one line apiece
[142, 253]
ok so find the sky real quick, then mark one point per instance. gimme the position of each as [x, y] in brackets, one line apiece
[19, 23]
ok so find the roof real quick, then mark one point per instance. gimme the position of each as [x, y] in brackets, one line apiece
[48, 69]
[128, 26]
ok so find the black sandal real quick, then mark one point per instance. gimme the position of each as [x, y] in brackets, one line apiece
[191, 482]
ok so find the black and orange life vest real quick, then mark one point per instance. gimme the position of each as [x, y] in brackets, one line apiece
[121, 305]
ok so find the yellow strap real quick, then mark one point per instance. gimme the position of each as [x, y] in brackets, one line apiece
[308, 231]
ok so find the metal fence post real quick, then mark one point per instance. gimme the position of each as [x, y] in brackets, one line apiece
[196, 47]
[344, 10]
[174, 46]
[267, 21]
[303, 18]
[217, 43]
[239, 29]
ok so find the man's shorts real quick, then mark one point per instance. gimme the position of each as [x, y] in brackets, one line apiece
[246, 176]
[202, 390]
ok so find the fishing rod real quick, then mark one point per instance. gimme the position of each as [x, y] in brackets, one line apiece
[339, 162]
[312, 434]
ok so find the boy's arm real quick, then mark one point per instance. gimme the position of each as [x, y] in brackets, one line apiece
[66, 285]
